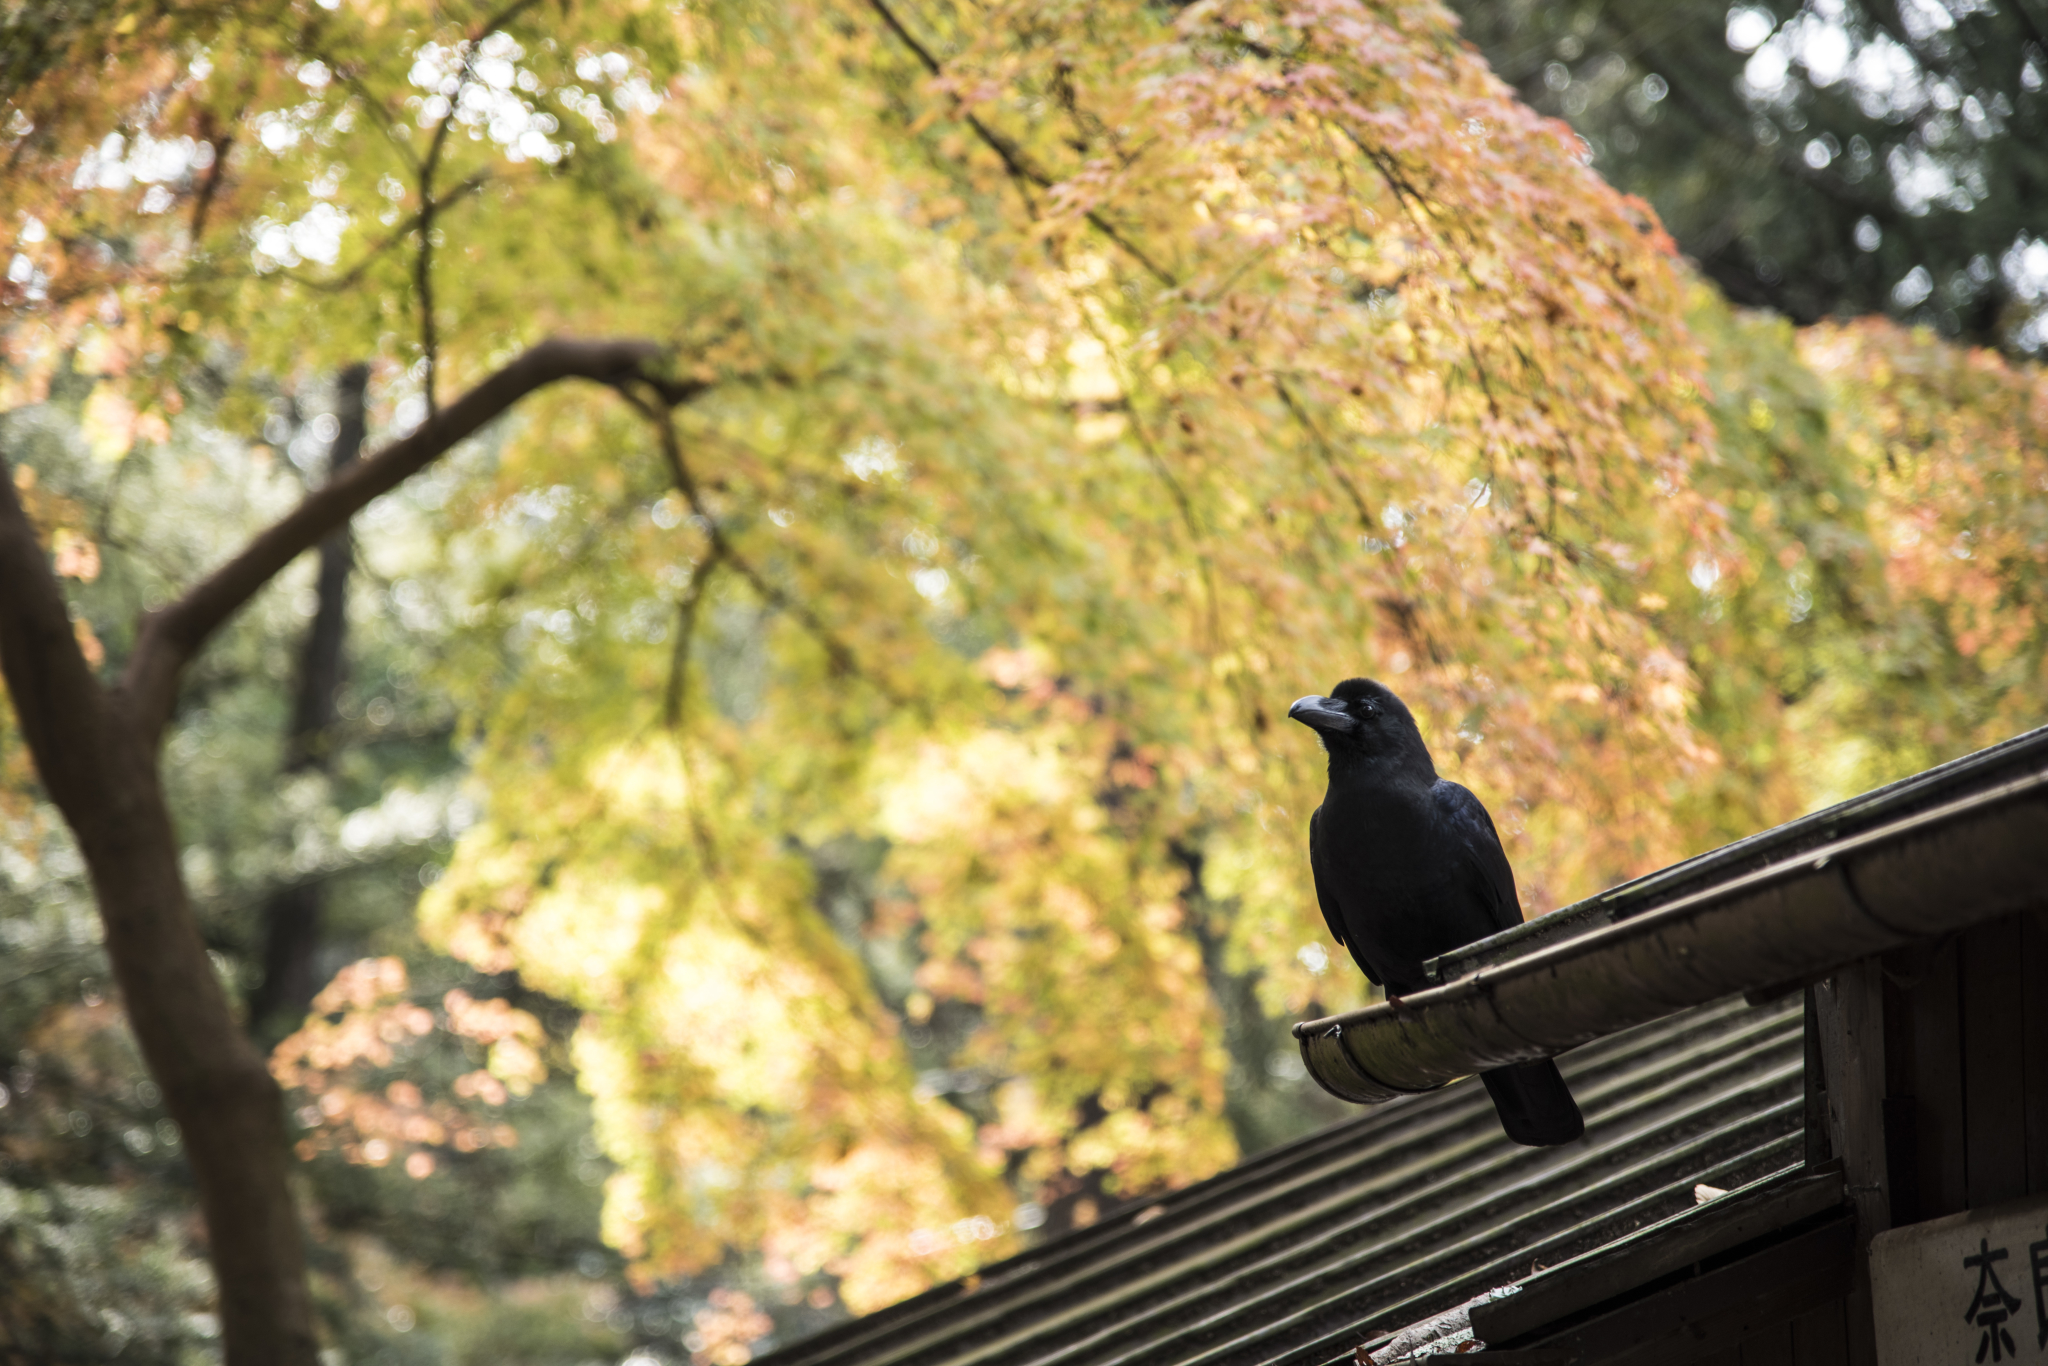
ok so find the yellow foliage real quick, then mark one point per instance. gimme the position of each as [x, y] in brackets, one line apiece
[1082, 383]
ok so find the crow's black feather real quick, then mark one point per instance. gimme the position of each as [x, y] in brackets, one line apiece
[1408, 866]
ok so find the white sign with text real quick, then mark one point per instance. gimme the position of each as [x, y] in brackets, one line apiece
[1967, 1290]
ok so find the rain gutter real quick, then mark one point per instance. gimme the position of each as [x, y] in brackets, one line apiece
[1671, 942]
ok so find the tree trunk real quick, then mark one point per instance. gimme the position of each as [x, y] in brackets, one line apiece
[96, 751]
[291, 917]
[98, 760]
[215, 1083]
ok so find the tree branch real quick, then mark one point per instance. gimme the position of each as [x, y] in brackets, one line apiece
[222, 144]
[353, 276]
[724, 552]
[375, 107]
[686, 627]
[58, 703]
[423, 267]
[99, 767]
[1020, 170]
[1414, 204]
[1322, 445]
[172, 635]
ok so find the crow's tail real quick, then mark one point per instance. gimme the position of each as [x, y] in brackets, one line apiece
[1535, 1106]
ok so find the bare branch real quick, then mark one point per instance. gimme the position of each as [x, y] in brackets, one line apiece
[1415, 204]
[374, 107]
[466, 76]
[99, 766]
[423, 285]
[173, 635]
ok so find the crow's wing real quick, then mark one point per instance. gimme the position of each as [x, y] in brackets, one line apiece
[1333, 913]
[1485, 862]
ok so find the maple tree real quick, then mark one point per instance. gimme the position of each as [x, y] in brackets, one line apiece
[874, 699]
[1947, 448]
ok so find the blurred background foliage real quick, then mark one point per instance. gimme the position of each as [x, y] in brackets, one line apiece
[739, 891]
[1834, 158]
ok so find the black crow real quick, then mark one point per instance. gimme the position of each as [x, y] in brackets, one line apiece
[1407, 866]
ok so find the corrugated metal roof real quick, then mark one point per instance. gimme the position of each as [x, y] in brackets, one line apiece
[1307, 1251]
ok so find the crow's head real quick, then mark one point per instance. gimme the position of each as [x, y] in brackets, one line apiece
[1363, 721]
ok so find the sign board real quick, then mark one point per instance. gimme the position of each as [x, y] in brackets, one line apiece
[1967, 1290]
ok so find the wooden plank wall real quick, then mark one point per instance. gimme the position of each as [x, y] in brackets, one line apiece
[1928, 1079]
[1935, 1062]
[1817, 1337]
[1966, 1069]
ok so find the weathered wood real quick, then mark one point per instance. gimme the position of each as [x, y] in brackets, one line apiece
[1739, 1217]
[1994, 1070]
[2034, 1015]
[1772, 1347]
[1852, 1040]
[1924, 1284]
[1819, 1146]
[1901, 1140]
[1722, 1308]
[1929, 1035]
[1820, 1337]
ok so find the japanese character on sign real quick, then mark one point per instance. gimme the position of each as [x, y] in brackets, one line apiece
[1921, 1279]
[2037, 1254]
[1994, 1304]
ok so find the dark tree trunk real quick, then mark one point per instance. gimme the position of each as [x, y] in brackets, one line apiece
[96, 752]
[98, 760]
[291, 917]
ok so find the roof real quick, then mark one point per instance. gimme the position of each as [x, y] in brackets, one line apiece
[1973, 774]
[1951, 848]
[1312, 1249]
[1403, 1219]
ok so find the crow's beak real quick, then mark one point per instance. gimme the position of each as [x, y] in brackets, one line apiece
[1322, 714]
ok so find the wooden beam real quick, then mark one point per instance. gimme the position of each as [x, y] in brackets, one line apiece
[1923, 1071]
[1990, 961]
[2034, 1029]
[1572, 1287]
[1852, 1045]
[1718, 1310]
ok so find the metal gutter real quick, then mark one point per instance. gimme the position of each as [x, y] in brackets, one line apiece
[2015, 758]
[1940, 869]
